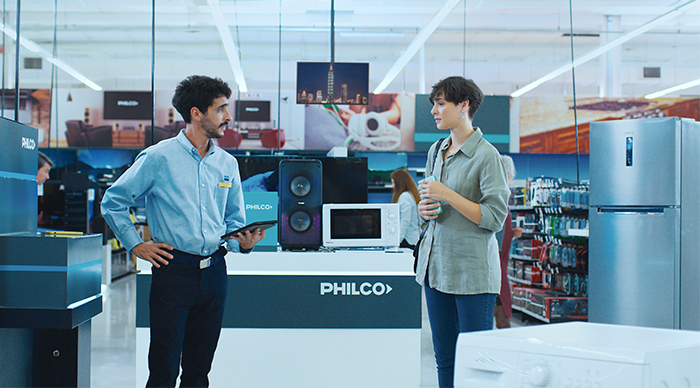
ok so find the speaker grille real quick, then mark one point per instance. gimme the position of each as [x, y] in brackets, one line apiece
[300, 186]
[300, 221]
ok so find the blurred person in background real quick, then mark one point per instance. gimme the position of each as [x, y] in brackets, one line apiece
[407, 196]
[503, 311]
[45, 165]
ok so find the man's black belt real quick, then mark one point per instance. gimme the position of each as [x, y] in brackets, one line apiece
[201, 262]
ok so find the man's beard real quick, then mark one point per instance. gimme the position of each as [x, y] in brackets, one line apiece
[212, 131]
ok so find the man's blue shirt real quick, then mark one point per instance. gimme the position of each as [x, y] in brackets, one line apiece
[190, 201]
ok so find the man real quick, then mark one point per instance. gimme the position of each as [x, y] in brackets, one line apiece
[45, 165]
[42, 175]
[193, 197]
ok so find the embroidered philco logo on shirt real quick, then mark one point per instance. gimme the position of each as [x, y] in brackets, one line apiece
[226, 182]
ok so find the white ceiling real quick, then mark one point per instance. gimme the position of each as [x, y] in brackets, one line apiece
[509, 43]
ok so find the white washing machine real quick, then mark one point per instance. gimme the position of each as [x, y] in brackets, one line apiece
[578, 354]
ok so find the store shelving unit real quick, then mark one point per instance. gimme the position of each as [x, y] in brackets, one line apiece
[548, 266]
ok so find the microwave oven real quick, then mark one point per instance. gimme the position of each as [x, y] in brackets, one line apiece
[355, 225]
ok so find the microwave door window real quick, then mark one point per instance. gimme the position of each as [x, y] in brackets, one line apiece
[355, 224]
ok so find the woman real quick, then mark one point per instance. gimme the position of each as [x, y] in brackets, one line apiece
[503, 311]
[458, 262]
[407, 196]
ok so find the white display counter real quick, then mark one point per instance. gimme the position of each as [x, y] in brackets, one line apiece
[311, 319]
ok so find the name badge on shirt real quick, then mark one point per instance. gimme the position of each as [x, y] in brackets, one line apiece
[226, 182]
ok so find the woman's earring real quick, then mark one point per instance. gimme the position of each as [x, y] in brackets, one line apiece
[462, 114]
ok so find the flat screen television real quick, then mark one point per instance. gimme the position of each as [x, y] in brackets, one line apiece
[259, 173]
[127, 106]
[251, 111]
[332, 83]
[344, 180]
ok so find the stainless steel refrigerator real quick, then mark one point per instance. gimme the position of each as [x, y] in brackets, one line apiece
[644, 220]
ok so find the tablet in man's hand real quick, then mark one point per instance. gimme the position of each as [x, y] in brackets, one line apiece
[251, 227]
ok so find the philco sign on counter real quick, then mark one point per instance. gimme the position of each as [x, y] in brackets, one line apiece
[365, 288]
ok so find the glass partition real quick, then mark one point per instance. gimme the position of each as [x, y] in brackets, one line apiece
[104, 47]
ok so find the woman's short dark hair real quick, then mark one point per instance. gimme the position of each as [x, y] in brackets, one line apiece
[458, 89]
[198, 91]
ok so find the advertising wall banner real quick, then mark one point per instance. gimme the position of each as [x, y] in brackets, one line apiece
[386, 123]
[547, 123]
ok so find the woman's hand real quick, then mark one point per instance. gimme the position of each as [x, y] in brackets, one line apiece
[429, 206]
[433, 190]
[428, 209]
[517, 232]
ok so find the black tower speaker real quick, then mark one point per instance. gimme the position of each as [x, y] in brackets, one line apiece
[301, 200]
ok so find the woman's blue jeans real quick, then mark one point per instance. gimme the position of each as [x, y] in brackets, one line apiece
[450, 315]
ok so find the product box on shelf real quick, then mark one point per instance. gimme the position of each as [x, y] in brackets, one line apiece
[518, 269]
[556, 308]
[520, 296]
[511, 269]
[535, 248]
[518, 196]
[527, 297]
[533, 274]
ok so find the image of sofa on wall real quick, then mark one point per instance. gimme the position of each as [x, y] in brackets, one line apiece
[161, 133]
[80, 134]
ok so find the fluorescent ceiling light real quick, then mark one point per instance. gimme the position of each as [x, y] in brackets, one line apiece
[608, 46]
[419, 40]
[229, 46]
[371, 34]
[673, 89]
[33, 47]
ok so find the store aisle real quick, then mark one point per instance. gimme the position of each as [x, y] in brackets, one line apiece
[114, 339]
[113, 356]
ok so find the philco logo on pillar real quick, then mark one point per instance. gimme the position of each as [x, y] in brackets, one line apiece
[28, 143]
[352, 289]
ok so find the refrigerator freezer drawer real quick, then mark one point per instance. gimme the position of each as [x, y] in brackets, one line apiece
[635, 162]
[634, 255]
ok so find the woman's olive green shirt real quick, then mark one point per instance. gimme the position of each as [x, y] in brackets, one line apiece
[459, 256]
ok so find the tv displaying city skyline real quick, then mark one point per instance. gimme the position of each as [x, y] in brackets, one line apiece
[332, 83]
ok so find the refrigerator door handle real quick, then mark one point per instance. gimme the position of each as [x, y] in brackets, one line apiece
[632, 210]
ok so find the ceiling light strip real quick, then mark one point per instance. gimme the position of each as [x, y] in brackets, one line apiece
[35, 48]
[608, 46]
[229, 45]
[676, 88]
[416, 44]
[371, 34]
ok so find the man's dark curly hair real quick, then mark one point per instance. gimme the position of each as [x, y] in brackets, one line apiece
[198, 91]
[457, 90]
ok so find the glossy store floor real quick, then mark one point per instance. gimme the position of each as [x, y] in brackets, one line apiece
[114, 339]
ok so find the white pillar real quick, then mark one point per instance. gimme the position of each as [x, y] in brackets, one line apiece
[421, 70]
[611, 62]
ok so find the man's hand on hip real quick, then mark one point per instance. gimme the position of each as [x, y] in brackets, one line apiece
[155, 252]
